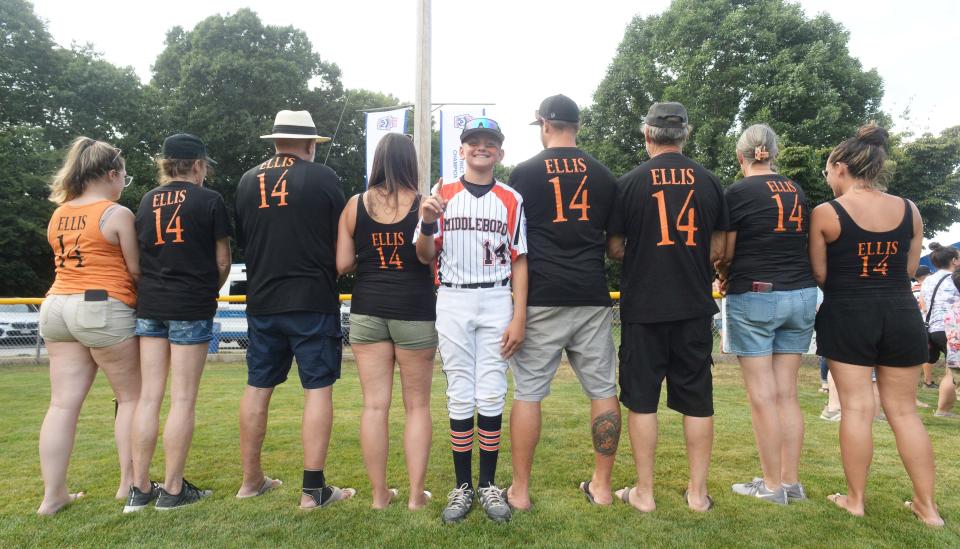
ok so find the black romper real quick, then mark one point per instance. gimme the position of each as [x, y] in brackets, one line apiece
[869, 316]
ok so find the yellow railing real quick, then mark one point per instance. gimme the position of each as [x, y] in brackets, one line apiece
[224, 299]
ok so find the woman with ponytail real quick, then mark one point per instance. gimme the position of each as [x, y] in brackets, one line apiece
[771, 303]
[864, 248]
[88, 317]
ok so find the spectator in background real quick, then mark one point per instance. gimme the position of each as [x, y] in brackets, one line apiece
[937, 294]
[864, 247]
[771, 305]
[668, 229]
[184, 235]
[88, 318]
[922, 273]
[951, 326]
[392, 314]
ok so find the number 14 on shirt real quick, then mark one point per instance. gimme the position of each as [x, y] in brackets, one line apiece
[578, 202]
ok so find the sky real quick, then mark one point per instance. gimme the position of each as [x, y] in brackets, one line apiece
[513, 53]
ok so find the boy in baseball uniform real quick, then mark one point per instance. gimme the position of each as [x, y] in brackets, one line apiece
[475, 230]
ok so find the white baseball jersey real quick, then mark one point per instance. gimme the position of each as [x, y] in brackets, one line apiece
[479, 237]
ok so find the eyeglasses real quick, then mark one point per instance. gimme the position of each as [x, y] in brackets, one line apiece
[127, 180]
[824, 172]
[482, 123]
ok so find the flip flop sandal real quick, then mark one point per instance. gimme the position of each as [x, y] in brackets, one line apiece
[504, 493]
[625, 495]
[909, 505]
[328, 495]
[585, 488]
[686, 499]
[268, 484]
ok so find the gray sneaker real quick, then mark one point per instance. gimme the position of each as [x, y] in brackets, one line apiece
[188, 495]
[491, 498]
[795, 492]
[459, 502]
[138, 500]
[759, 490]
[830, 415]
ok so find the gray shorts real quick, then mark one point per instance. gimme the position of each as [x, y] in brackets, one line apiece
[585, 333]
[92, 323]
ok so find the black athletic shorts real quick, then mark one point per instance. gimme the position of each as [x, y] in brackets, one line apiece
[872, 331]
[679, 351]
[937, 343]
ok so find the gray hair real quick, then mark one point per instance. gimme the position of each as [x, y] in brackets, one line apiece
[667, 136]
[758, 143]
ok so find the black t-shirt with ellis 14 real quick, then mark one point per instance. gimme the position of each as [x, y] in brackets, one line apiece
[178, 226]
[568, 196]
[668, 209]
[770, 215]
[287, 215]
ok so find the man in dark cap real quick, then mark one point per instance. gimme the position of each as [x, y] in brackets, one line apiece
[569, 197]
[668, 229]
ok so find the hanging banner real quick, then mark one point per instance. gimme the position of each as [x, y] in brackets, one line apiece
[380, 124]
[452, 119]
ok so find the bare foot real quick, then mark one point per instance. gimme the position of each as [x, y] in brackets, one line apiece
[929, 519]
[50, 508]
[840, 500]
[381, 502]
[517, 502]
[640, 502]
[420, 502]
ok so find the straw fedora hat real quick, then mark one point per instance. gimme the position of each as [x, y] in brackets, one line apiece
[294, 125]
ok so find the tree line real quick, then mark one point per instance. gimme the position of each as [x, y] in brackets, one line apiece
[732, 63]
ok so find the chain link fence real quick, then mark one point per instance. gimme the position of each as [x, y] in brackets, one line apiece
[21, 342]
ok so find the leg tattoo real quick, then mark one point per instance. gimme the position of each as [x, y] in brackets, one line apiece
[606, 433]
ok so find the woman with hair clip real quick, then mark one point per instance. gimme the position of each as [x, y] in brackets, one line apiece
[392, 314]
[184, 236]
[937, 294]
[87, 319]
[864, 247]
[771, 305]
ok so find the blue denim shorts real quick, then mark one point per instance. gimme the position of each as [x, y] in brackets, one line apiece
[313, 338]
[179, 332]
[762, 324]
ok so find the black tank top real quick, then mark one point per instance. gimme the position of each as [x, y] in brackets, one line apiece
[391, 281]
[867, 263]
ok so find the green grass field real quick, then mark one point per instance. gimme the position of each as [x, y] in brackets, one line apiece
[561, 516]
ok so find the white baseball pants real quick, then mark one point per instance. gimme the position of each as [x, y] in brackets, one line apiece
[471, 323]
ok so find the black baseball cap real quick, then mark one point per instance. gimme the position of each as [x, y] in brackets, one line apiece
[666, 115]
[485, 125]
[557, 107]
[185, 146]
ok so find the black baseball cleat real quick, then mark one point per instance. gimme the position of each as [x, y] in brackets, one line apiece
[137, 500]
[188, 494]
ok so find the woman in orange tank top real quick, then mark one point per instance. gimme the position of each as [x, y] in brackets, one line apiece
[88, 318]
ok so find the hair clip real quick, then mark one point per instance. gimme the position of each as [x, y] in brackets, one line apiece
[760, 153]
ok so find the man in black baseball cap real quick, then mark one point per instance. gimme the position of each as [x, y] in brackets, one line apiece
[668, 228]
[185, 146]
[557, 108]
[569, 305]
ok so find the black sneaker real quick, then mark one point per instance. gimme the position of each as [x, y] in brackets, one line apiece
[188, 494]
[137, 500]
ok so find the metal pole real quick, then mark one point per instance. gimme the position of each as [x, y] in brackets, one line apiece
[422, 127]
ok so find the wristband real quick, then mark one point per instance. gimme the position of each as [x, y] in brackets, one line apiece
[428, 229]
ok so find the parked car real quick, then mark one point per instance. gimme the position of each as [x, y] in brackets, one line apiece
[19, 325]
[232, 317]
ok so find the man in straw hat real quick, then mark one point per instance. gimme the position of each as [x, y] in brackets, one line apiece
[287, 213]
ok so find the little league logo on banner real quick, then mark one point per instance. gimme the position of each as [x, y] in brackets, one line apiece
[452, 119]
[380, 124]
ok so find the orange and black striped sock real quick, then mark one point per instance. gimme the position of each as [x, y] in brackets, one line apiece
[488, 433]
[461, 441]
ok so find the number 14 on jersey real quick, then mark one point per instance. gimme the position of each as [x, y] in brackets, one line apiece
[578, 202]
